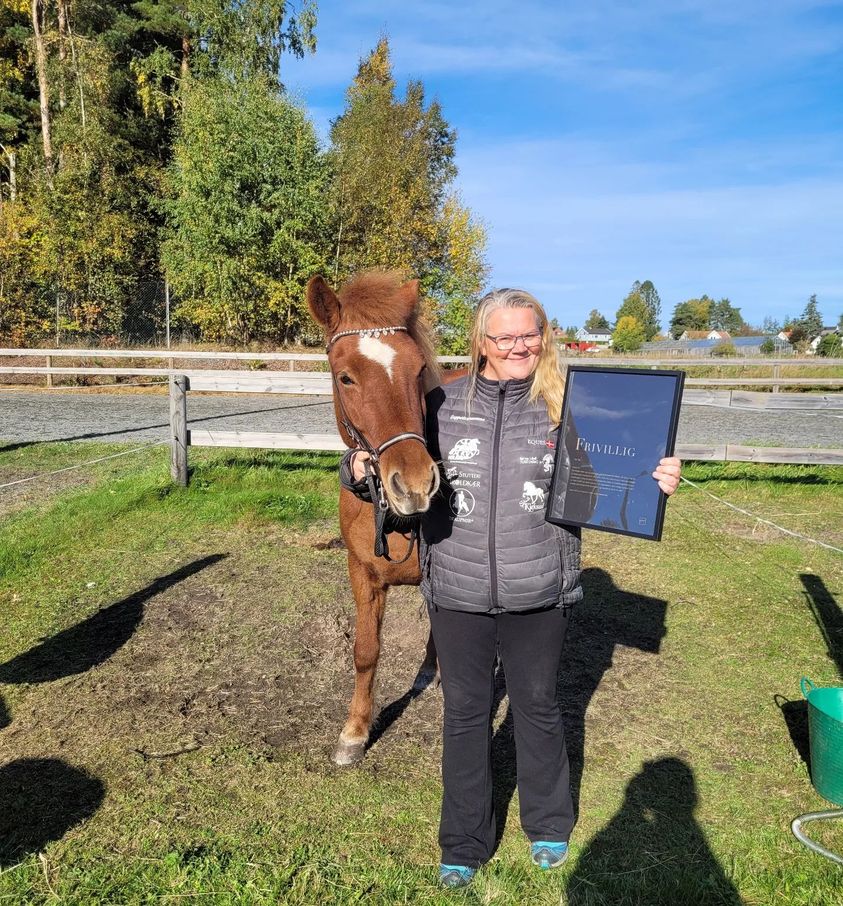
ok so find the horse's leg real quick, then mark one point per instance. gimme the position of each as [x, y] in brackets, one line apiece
[370, 598]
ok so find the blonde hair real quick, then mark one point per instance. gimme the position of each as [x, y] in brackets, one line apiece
[548, 381]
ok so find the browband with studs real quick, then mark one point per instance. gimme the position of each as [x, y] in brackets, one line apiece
[363, 332]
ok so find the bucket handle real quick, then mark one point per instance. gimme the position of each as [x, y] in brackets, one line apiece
[806, 686]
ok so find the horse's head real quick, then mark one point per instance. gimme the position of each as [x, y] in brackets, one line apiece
[380, 377]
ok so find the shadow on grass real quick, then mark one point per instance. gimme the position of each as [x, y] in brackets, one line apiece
[387, 716]
[829, 618]
[5, 720]
[94, 640]
[608, 617]
[652, 851]
[828, 615]
[41, 799]
[795, 714]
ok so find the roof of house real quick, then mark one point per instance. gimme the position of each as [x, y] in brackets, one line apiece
[697, 334]
[596, 333]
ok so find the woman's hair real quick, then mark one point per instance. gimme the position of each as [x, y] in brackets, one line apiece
[548, 382]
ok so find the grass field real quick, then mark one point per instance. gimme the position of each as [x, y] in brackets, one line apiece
[175, 667]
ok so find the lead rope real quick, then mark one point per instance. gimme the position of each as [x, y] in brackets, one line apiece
[381, 508]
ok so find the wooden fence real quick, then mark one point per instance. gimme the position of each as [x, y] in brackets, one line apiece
[775, 381]
[318, 383]
[183, 437]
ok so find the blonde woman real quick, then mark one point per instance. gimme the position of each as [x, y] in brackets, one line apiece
[500, 581]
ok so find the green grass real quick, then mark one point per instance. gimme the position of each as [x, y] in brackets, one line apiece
[219, 615]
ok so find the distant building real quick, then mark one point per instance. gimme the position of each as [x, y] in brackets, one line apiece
[705, 335]
[588, 340]
[746, 346]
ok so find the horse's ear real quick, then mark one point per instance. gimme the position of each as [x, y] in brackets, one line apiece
[408, 295]
[323, 303]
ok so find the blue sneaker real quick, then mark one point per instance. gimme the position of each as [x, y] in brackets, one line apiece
[455, 875]
[547, 854]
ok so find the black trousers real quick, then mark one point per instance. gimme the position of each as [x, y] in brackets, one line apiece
[530, 645]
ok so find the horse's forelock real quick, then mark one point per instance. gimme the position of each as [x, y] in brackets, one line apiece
[372, 299]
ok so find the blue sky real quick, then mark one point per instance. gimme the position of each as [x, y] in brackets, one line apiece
[695, 143]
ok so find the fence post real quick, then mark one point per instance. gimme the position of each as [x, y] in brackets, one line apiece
[178, 428]
[776, 376]
[49, 376]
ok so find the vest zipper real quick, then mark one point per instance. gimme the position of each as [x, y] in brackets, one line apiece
[493, 502]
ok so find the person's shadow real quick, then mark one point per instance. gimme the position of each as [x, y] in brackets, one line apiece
[652, 851]
[40, 800]
[606, 618]
[825, 610]
[95, 639]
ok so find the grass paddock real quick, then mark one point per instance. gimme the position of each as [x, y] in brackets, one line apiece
[175, 666]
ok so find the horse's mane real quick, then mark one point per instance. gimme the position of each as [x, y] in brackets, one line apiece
[370, 299]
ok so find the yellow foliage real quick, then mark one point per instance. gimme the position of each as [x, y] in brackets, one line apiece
[21, 7]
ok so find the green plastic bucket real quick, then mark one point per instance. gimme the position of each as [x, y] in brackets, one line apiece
[825, 732]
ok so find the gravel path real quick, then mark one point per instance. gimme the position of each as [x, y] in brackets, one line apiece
[27, 416]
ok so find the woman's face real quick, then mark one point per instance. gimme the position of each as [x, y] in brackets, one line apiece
[521, 360]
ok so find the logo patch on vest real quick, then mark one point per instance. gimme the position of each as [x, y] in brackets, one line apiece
[532, 498]
[462, 502]
[464, 449]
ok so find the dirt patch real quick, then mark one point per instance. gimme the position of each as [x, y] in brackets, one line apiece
[242, 650]
[254, 648]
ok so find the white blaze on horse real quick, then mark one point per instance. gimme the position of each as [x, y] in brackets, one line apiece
[382, 361]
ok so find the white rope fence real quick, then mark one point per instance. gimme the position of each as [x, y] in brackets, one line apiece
[780, 528]
[82, 465]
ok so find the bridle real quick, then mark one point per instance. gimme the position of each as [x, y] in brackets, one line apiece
[371, 466]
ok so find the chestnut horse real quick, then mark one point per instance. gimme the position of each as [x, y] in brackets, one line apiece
[382, 362]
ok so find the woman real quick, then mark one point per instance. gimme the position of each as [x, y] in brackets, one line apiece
[499, 580]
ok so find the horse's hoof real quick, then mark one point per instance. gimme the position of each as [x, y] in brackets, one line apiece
[425, 678]
[348, 753]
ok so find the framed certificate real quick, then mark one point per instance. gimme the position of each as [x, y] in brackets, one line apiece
[617, 423]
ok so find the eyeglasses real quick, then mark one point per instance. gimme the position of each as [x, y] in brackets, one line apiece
[505, 342]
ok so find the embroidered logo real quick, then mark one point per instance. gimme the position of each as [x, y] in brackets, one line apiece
[532, 498]
[464, 449]
[547, 462]
[462, 502]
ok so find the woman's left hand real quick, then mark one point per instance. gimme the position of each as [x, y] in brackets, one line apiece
[668, 473]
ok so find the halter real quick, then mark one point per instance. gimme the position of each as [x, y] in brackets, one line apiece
[372, 465]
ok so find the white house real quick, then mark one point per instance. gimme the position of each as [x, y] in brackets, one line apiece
[594, 337]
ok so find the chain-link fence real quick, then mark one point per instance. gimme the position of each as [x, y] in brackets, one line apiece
[145, 320]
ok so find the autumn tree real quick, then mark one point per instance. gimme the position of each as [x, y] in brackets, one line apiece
[636, 305]
[596, 321]
[629, 334]
[692, 314]
[392, 206]
[392, 165]
[462, 277]
[246, 215]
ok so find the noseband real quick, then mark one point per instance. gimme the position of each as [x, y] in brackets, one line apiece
[372, 467]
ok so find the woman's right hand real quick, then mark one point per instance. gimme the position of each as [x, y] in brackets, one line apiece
[358, 470]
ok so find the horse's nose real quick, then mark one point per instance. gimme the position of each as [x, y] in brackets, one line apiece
[397, 486]
[434, 480]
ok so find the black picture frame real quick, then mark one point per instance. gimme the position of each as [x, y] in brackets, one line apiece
[617, 423]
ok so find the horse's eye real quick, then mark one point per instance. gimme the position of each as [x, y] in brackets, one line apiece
[345, 379]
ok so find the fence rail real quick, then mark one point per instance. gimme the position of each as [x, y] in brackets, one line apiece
[182, 437]
[776, 380]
